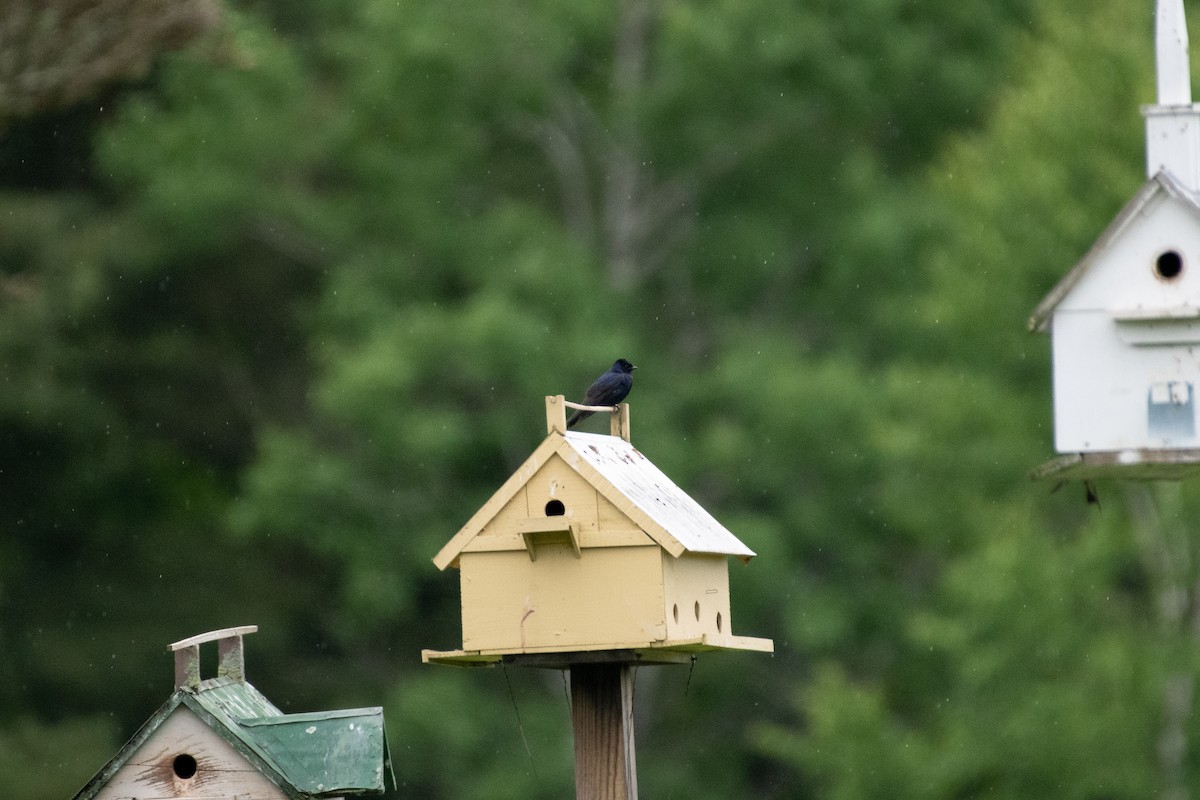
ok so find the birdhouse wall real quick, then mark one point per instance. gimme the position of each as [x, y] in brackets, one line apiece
[696, 594]
[606, 597]
[1125, 338]
[184, 744]
[1111, 395]
[1123, 276]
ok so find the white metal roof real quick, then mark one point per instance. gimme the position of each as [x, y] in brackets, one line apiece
[646, 486]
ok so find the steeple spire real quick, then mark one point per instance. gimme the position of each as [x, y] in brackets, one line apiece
[1173, 124]
[1171, 54]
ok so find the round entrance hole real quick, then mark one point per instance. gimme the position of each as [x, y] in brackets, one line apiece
[184, 766]
[555, 508]
[1168, 265]
[718, 622]
[697, 611]
[675, 611]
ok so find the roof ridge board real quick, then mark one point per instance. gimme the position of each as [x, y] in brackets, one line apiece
[312, 716]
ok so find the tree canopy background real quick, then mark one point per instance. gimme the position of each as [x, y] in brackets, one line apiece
[283, 285]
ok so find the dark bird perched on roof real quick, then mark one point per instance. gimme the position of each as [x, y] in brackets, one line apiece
[609, 389]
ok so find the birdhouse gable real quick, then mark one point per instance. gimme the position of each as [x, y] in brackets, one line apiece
[177, 753]
[1145, 266]
[590, 490]
[557, 505]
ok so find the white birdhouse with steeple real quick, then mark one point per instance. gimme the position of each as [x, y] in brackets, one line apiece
[1125, 321]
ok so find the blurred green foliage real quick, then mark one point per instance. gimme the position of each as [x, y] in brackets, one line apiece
[278, 311]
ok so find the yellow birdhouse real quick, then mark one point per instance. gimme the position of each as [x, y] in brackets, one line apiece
[589, 547]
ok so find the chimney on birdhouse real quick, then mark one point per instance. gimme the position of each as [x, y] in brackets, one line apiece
[1173, 124]
[231, 659]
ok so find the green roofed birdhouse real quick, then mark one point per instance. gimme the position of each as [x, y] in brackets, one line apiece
[221, 738]
[589, 547]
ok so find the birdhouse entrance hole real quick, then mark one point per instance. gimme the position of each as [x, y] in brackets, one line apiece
[1169, 265]
[555, 508]
[184, 766]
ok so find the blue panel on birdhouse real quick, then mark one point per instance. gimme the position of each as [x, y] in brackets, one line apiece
[1171, 412]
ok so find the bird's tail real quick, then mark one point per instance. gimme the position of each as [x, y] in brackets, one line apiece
[578, 416]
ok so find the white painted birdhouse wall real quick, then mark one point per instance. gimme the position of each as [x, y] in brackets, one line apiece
[1124, 277]
[218, 770]
[1110, 395]
[1126, 367]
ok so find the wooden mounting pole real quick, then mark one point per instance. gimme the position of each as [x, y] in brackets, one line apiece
[602, 721]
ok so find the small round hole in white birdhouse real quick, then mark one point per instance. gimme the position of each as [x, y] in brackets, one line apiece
[675, 611]
[1169, 265]
[718, 622]
[184, 766]
[555, 508]
[697, 611]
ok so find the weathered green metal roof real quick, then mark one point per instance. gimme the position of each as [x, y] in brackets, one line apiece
[333, 753]
[339, 752]
[234, 700]
[342, 753]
